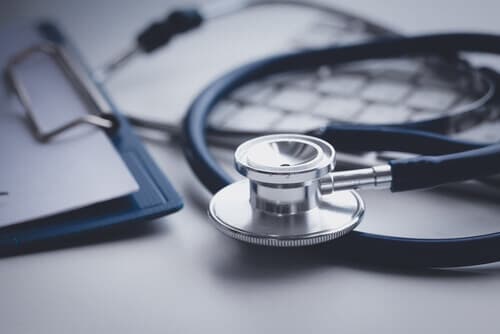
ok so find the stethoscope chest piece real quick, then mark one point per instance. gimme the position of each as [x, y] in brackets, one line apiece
[281, 202]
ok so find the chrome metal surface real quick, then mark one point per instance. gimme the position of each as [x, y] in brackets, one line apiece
[99, 115]
[284, 171]
[379, 177]
[284, 200]
[284, 159]
[231, 211]
[282, 203]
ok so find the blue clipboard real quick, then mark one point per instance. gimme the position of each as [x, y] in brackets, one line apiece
[155, 198]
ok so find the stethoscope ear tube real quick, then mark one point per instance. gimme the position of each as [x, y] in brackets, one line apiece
[419, 252]
[448, 161]
[430, 171]
[363, 138]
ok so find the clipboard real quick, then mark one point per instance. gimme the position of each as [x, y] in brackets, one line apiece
[155, 198]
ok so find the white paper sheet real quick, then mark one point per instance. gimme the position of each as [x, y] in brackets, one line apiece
[75, 170]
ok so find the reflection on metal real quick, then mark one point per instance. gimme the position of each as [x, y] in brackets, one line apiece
[282, 203]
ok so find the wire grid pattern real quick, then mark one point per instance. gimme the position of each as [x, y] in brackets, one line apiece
[369, 92]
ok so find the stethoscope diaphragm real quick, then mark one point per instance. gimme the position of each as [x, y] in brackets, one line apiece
[281, 203]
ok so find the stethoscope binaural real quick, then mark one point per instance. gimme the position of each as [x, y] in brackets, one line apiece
[294, 197]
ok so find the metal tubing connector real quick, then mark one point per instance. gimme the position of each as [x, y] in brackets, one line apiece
[378, 177]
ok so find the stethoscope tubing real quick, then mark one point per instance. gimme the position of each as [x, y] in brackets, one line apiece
[443, 252]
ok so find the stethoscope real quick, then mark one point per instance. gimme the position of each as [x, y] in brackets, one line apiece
[292, 195]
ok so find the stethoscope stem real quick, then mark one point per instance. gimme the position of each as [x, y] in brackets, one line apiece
[376, 177]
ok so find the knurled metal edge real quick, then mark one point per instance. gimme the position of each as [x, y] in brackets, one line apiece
[285, 242]
[302, 242]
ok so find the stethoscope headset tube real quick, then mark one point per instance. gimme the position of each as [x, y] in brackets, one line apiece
[445, 160]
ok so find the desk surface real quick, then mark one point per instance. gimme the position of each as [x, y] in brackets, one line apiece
[179, 275]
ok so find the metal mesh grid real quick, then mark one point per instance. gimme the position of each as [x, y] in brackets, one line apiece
[382, 91]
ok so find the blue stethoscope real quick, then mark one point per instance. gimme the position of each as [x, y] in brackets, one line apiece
[292, 195]
[442, 160]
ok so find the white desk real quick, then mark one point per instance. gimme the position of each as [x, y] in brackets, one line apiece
[179, 275]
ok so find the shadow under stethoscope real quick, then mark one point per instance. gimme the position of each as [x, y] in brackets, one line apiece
[250, 263]
[247, 262]
[241, 261]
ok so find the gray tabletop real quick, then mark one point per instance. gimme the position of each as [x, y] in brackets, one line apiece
[179, 275]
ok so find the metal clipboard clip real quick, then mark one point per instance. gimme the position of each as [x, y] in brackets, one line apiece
[99, 117]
